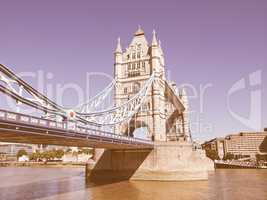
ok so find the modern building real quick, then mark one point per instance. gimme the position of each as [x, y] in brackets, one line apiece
[244, 143]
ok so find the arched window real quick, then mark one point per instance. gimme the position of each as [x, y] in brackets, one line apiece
[133, 56]
[136, 87]
[125, 90]
[138, 65]
[138, 54]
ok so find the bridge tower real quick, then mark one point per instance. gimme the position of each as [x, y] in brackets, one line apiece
[132, 68]
[164, 113]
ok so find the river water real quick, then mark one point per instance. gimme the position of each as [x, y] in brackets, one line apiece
[27, 183]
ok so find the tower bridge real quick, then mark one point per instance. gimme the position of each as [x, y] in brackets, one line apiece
[143, 99]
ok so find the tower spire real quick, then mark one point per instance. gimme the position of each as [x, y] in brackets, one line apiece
[118, 48]
[160, 48]
[154, 38]
[139, 31]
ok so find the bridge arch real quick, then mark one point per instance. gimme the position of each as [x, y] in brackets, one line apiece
[137, 128]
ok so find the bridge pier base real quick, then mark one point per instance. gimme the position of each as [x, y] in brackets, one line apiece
[168, 161]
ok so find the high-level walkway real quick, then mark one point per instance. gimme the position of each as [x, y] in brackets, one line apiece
[20, 128]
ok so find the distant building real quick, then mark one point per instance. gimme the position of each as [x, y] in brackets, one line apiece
[23, 158]
[244, 143]
[42, 147]
[11, 149]
[72, 157]
[214, 148]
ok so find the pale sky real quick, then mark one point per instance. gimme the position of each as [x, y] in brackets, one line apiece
[206, 43]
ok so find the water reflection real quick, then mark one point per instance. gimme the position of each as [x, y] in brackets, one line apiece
[69, 183]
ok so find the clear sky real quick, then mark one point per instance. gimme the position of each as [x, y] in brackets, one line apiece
[206, 43]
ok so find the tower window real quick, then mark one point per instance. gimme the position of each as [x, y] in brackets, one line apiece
[138, 55]
[144, 64]
[125, 90]
[133, 56]
[136, 87]
[138, 65]
[129, 66]
[133, 73]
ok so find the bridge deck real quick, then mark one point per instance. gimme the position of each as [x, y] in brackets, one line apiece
[19, 128]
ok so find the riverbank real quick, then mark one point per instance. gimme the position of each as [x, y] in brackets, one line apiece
[238, 165]
[41, 164]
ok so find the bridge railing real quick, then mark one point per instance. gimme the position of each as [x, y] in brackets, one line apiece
[68, 126]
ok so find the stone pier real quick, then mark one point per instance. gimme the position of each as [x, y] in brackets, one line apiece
[168, 161]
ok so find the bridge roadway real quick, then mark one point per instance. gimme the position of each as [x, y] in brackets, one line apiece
[21, 128]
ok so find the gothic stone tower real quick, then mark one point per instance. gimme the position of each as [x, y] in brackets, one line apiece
[133, 67]
[169, 159]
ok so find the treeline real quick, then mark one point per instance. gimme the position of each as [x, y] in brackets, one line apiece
[47, 155]
[53, 154]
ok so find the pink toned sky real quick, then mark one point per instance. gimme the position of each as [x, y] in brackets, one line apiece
[204, 41]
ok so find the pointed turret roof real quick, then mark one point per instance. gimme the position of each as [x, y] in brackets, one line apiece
[160, 48]
[139, 39]
[118, 48]
[154, 39]
[139, 31]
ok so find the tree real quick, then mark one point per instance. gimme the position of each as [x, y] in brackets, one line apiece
[68, 150]
[33, 156]
[59, 153]
[212, 154]
[261, 157]
[36, 156]
[46, 155]
[229, 156]
[22, 152]
[52, 154]
[75, 153]
[88, 151]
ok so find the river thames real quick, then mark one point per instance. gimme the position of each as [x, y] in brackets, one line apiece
[27, 183]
